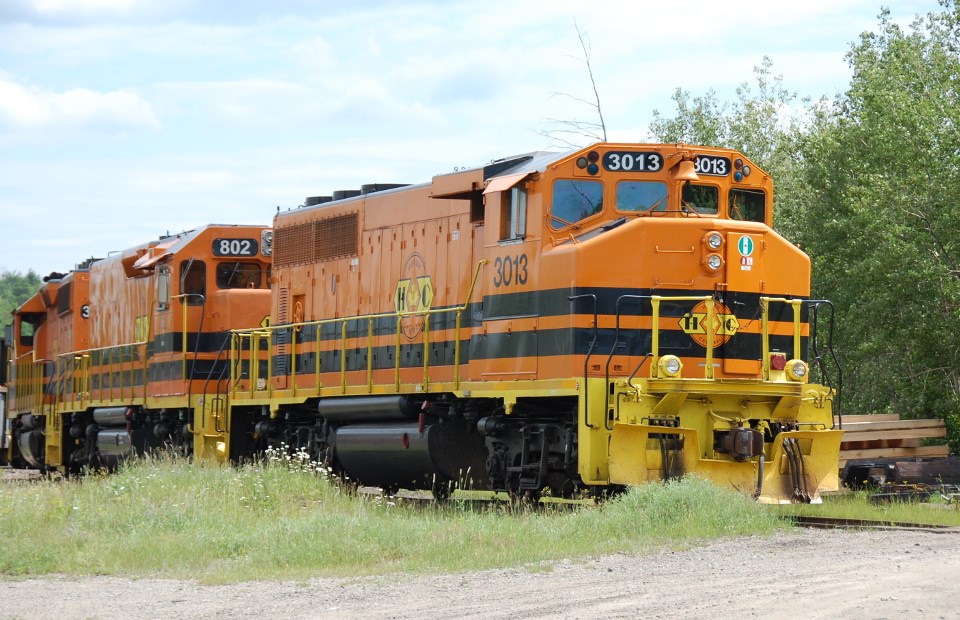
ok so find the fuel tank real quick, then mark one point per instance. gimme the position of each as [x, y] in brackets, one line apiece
[400, 455]
[30, 445]
[114, 445]
[366, 409]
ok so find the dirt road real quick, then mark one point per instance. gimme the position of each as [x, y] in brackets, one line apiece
[807, 574]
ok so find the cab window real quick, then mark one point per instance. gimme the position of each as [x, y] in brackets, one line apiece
[704, 199]
[28, 327]
[193, 281]
[574, 200]
[238, 275]
[163, 287]
[641, 196]
[747, 204]
[513, 218]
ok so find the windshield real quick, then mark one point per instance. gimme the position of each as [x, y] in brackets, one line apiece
[641, 196]
[238, 275]
[575, 200]
[701, 198]
[747, 204]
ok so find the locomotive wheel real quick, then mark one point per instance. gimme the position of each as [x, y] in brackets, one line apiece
[442, 490]
[604, 492]
[525, 500]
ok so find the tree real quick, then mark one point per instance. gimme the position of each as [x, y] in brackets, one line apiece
[882, 168]
[568, 132]
[761, 124]
[15, 288]
[868, 184]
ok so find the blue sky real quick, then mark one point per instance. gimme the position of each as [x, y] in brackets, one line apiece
[121, 120]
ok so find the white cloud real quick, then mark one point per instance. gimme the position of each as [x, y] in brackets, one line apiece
[264, 103]
[179, 183]
[75, 11]
[86, 6]
[25, 108]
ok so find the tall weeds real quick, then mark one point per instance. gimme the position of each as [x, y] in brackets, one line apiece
[286, 519]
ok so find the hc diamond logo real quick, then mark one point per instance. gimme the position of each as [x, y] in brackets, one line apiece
[725, 324]
[745, 245]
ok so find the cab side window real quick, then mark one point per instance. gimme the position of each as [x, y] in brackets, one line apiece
[193, 281]
[28, 327]
[513, 214]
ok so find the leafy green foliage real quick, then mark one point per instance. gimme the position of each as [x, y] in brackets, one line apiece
[867, 184]
[883, 169]
[761, 123]
[15, 288]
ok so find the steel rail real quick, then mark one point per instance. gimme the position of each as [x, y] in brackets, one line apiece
[870, 524]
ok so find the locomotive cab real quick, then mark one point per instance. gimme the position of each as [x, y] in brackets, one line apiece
[128, 354]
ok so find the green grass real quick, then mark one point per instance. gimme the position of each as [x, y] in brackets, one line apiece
[272, 521]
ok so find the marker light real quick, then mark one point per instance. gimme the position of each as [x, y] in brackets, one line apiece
[797, 370]
[582, 162]
[670, 366]
[593, 169]
[593, 156]
[713, 239]
[778, 361]
[714, 262]
[737, 176]
[737, 163]
[266, 242]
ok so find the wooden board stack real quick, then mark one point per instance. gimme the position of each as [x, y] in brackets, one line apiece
[880, 436]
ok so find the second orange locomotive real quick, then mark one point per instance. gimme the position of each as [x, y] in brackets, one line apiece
[129, 353]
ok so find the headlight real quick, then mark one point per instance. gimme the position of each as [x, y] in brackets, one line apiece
[670, 366]
[713, 240]
[714, 262]
[797, 370]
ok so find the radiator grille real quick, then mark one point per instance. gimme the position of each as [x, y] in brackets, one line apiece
[337, 237]
[293, 245]
[334, 237]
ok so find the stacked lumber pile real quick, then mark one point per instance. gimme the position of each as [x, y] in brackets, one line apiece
[883, 436]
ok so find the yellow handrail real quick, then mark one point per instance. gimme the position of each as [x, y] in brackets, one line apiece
[78, 364]
[655, 327]
[28, 382]
[253, 334]
[765, 328]
[710, 303]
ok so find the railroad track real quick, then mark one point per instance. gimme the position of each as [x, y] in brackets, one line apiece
[870, 524]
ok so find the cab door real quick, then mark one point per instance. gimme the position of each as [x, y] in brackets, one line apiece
[508, 342]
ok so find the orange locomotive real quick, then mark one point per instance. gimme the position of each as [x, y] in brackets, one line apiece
[129, 353]
[549, 323]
